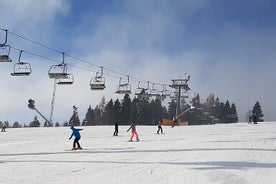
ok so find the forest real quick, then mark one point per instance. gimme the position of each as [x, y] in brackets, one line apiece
[146, 111]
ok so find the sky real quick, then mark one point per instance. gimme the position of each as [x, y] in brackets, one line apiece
[226, 46]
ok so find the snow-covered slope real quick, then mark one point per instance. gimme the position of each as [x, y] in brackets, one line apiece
[237, 153]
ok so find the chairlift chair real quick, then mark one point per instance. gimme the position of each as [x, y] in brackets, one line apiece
[98, 82]
[58, 71]
[68, 80]
[21, 68]
[164, 93]
[4, 53]
[5, 50]
[154, 92]
[141, 92]
[124, 88]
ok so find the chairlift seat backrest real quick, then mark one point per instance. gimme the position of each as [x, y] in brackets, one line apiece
[124, 89]
[58, 71]
[66, 80]
[97, 83]
[5, 58]
[22, 69]
[4, 54]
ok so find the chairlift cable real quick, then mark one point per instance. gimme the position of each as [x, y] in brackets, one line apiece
[76, 58]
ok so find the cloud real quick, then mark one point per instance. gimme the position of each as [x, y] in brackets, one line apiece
[148, 41]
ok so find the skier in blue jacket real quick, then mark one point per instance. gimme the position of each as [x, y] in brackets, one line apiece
[76, 134]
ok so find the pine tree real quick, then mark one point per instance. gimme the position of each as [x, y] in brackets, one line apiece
[109, 113]
[257, 110]
[16, 125]
[127, 110]
[35, 122]
[89, 117]
[172, 108]
[233, 111]
[74, 120]
[117, 110]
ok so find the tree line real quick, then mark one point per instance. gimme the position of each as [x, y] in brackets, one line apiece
[146, 111]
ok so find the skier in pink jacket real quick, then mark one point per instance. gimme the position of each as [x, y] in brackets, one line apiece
[133, 132]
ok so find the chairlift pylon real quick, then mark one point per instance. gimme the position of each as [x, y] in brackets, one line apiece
[5, 50]
[124, 88]
[98, 82]
[58, 71]
[21, 68]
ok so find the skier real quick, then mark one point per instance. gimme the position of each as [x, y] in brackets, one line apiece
[4, 125]
[116, 129]
[160, 127]
[76, 133]
[133, 132]
[174, 122]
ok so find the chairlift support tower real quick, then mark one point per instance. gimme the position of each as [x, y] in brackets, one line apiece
[180, 84]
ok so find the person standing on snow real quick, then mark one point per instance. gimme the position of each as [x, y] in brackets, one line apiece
[160, 127]
[133, 132]
[76, 134]
[116, 129]
[4, 126]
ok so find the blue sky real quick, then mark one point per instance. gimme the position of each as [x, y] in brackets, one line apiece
[228, 48]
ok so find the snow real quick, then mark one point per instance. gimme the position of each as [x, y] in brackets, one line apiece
[222, 154]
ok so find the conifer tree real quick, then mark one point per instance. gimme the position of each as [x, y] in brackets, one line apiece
[35, 123]
[89, 117]
[74, 120]
[109, 113]
[257, 110]
[127, 110]
[117, 110]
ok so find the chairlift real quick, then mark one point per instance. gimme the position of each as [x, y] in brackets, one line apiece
[58, 71]
[5, 50]
[141, 92]
[68, 80]
[124, 88]
[154, 92]
[98, 82]
[164, 93]
[195, 102]
[21, 68]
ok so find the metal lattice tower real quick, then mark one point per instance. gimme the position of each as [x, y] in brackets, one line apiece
[179, 85]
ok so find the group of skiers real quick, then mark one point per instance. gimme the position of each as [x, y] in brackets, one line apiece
[76, 133]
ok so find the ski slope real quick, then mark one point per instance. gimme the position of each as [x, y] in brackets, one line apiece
[222, 154]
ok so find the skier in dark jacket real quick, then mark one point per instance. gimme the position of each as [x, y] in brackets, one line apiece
[160, 127]
[76, 134]
[116, 129]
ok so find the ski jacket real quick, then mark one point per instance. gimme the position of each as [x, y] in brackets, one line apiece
[75, 132]
[132, 127]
